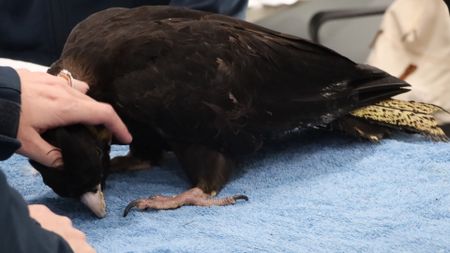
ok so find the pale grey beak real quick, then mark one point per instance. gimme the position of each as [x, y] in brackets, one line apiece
[95, 202]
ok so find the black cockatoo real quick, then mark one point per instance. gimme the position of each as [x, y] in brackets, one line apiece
[210, 88]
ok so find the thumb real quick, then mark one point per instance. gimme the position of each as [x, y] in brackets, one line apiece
[36, 148]
[80, 86]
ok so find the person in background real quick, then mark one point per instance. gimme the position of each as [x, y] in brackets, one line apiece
[36, 30]
[413, 44]
[33, 102]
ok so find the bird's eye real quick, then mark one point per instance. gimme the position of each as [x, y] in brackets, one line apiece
[99, 152]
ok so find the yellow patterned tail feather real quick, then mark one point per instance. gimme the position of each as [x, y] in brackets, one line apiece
[408, 115]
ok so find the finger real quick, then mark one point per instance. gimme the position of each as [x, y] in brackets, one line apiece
[36, 210]
[35, 148]
[65, 220]
[59, 86]
[80, 86]
[76, 84]
[58, 83]
[101, 113]
[113, 122]
[86, 248]
[78, 91]
[81, 235]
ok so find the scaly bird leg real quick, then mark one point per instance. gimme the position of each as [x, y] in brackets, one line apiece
[192, 197]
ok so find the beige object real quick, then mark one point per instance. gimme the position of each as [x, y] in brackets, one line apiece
[22, 65]
[414, 43]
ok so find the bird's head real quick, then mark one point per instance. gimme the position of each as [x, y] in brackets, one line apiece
[85, 157]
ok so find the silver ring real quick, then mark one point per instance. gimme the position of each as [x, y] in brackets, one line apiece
[64, 73]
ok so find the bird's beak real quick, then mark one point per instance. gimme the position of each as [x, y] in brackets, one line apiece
[95, 202]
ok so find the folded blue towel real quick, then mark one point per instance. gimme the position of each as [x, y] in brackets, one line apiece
[318, 192]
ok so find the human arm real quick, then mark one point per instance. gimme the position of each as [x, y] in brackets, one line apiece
[9, 111]
[18, 232]
[47, 102]
[39, 102]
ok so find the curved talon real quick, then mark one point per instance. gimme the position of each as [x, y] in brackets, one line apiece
[240, 196]
[132, 204]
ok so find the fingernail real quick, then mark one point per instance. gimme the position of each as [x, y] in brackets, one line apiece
[58, 163]
[129, 138]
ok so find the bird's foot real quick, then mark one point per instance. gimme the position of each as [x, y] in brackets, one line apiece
[193, 197]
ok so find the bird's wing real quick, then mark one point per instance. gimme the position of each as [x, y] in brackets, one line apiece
[207, 74]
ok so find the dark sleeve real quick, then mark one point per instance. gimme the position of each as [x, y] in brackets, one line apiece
[18, 232]
[234, 8]
[9, 111]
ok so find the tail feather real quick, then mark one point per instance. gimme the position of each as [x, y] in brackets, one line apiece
[368, 97]
[376, 85]
[404, 115]
[411, 106]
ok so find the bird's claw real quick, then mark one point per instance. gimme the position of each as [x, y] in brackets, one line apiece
[132, 204]
[195, 197]
[240, 196]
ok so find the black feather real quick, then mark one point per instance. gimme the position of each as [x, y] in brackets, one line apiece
[85, 160]
[210, 87]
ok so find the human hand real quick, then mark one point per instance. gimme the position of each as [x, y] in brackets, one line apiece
[48, 102]
[62, 226]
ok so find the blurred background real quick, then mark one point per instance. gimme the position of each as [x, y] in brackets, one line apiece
[409, 39]
[293, 17]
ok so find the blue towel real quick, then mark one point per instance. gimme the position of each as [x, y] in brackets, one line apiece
[317, 192]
